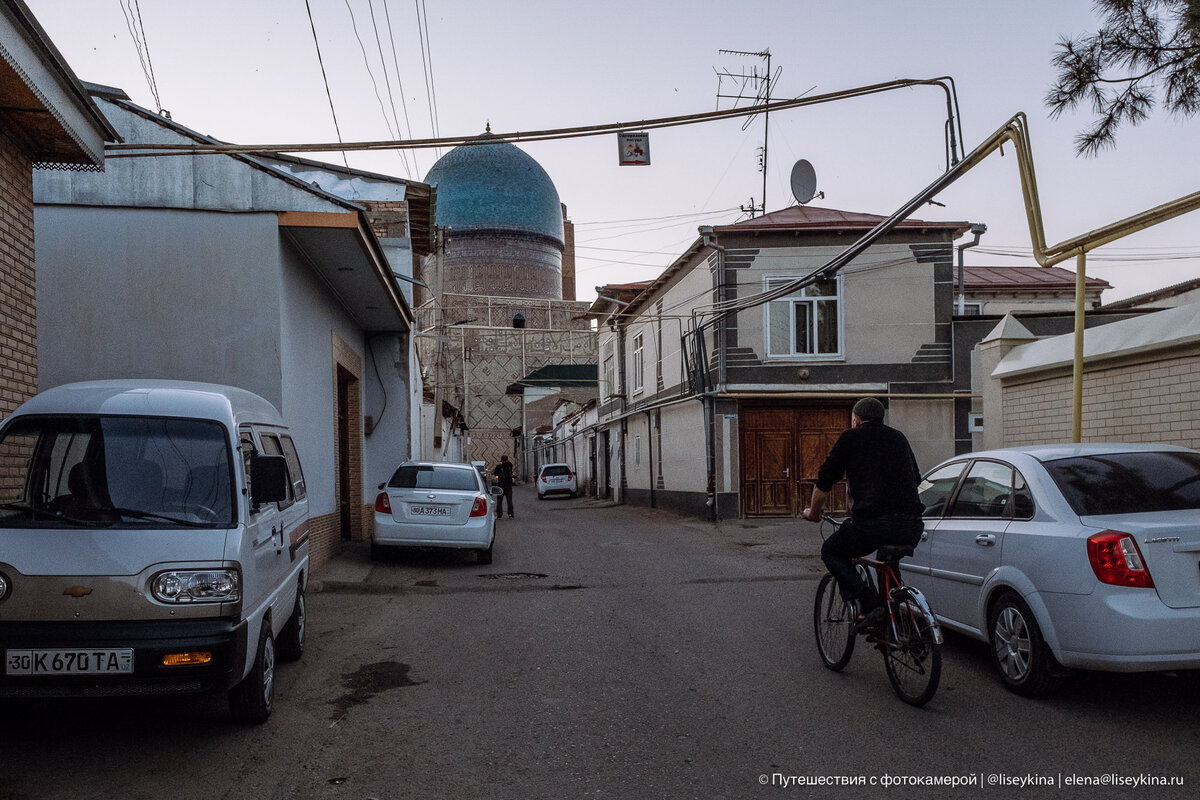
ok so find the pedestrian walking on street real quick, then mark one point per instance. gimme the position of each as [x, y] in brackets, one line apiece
[504, 479]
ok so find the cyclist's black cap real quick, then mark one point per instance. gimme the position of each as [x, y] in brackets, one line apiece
[868, 408]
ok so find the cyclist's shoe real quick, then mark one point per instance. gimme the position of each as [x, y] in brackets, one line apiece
[869, 622]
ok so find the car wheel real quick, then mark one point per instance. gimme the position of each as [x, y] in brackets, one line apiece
[378, 552]
[1018, 650]
[484, 556]
[541, 496]
[291, 640]
[251, 700]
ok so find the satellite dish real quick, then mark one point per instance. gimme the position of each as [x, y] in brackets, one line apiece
[804, 181]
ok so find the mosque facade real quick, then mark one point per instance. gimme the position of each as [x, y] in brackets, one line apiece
[498, 302]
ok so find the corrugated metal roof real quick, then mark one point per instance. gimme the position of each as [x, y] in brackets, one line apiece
[830, 219]
[562, 375]
[1174, 327]
[1025, 279]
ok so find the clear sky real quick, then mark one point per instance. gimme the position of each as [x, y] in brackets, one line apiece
[247, 72]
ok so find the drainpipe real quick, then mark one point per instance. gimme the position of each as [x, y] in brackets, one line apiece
[709, 239]
[979, 229]
[650, 452]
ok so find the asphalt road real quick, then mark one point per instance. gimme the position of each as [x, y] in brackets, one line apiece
[606, 652]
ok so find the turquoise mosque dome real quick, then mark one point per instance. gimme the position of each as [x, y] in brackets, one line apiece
[495, 186]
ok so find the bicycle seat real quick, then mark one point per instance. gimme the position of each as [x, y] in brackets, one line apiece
[894, 552]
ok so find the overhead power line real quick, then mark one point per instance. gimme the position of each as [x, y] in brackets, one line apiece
[325, 78]
[133, 21]
[134, 149]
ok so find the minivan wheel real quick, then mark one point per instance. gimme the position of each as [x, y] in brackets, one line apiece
[251, 700]
[291, 639]
[1019, 652]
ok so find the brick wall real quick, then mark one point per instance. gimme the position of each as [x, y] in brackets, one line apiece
[18, 309]
[1157, 401]
[324, 540]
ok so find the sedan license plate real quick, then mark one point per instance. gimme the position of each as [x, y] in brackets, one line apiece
[87, 661]
[430, 511]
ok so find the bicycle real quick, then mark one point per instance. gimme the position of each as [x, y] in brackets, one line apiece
[909, 637]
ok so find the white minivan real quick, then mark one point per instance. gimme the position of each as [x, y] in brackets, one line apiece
[153, 539]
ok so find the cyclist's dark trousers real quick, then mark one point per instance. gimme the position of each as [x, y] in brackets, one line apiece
[860, 537]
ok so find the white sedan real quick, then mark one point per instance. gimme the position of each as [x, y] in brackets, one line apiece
[435, 504]
[555, 479]
[1066, 556]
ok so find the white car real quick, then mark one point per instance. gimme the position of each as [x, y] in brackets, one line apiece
[435, 504]
[555, 479]
[1066, 556]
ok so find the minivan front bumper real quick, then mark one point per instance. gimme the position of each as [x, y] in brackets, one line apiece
[150, 642]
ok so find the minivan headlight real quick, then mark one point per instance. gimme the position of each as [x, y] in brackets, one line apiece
[197, 586]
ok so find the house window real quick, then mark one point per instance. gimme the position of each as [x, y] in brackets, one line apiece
[972, 309]
[807, 324]
[610, 377]
[638, 362]
[637, 452]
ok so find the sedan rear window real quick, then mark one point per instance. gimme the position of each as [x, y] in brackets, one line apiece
[1129, 483]
[434, 477]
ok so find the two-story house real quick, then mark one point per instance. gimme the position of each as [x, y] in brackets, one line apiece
[721, 396]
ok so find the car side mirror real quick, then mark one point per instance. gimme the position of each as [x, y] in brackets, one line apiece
[268, 479]
[496, 491]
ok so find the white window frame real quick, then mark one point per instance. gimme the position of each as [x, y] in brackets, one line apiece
[791, 301]
[638, 362]
[610, 377]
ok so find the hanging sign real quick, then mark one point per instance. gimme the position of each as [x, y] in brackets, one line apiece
[634, 149]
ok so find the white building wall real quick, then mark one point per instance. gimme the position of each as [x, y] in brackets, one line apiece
[116, 285]
[887, 279]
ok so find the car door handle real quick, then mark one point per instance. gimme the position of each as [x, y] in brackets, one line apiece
[985, 540]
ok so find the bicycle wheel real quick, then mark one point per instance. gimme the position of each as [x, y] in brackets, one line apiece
[833, 623]
[914, 659]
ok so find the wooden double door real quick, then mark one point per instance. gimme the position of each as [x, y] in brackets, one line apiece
[782, 447]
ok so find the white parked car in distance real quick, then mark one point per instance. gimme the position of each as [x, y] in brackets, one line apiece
[555, 479]
[1066, 556]
[435, 504]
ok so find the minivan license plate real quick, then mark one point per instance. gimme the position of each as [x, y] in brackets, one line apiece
[87, 661]
[431, 511]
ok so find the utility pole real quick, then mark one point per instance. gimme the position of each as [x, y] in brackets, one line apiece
[762, 94]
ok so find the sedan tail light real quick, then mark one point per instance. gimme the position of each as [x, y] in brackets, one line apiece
[570, 476]
[382, 504]
[480, 507]
[1116, 559]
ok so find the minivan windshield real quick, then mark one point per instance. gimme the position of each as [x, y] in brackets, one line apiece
[1129, 483]
[70, 471]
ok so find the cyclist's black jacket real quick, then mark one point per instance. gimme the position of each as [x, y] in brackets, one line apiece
[881, 469]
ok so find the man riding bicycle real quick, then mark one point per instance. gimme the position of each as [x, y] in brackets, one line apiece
[882, 474]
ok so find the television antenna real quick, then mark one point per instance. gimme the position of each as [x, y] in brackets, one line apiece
[761, 84]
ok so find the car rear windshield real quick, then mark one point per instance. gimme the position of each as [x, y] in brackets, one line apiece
[413, 476]
[560, 470]
[1129, 483]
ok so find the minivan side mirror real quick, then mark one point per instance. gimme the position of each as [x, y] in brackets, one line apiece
[268, 479]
